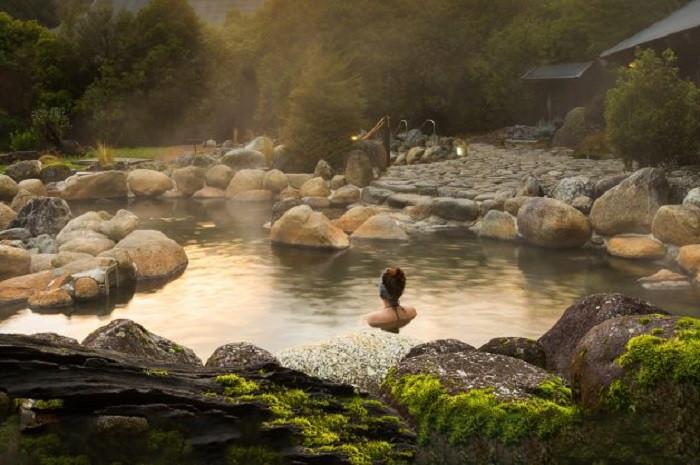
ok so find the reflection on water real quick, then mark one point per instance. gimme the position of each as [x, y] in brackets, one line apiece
[239, 288]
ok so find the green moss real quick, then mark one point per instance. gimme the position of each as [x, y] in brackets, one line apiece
[645, 320]
[235, 385]
[479, 412]
[47, 449]
[161, 373]
[9, 434]
[50, 404]
[252, 455]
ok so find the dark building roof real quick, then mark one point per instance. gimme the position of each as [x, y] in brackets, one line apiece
[560, 71]
[684, 19]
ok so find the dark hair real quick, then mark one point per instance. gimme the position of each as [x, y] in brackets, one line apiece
[394, 280]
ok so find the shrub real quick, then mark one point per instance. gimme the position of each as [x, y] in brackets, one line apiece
[652, 115]
[594, 146]
[50, 124]
[23, 140]
[326, 110]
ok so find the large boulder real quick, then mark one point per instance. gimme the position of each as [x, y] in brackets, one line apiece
[362, 359]
[315, 187]
[7, 216]
[149, 183]
[358, 169]
[595, 363]
[189, 179]
[692, 199]
[573, 131]
[99, 225]
[35, 186]
[14, 262]
[381, 227]
[323, 170]
[550, 223]
[455, 209]
[154, 254]
[55, 172]
[529, 187]
[569, 189]
[21, 199]
[498, 225]
[345, 195]
[264, 145]
[527, 350]
[296, 180]
[245, 180]
[275, 181]
[301, 226]
[282, 207]
[241, 356]
[130, 338]
[606, 183]
[636, 247]
[8, 188]
[15, 291]
[219, 176]
[103, 185]
[43, 215]
[440, 346]
[87, 245]
[561, 340]
[244, 159]
[689, 258]
[677, 225]
[29, 169]
[354, 218]
[630, 206]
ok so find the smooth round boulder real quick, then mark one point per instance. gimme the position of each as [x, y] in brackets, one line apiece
[608, 182]
[15, 291]
[189, 180]
[208, 192]
[315, 187]
[35, 186]
[88, 245]
[361, 359]
[244, 159]
[85, 288]
[455, 209]
[296, 180]
[264, 145]
[692, 199]
[241, 356]
[154, 255]
[689, 258]
[50, 298]
[317, 203]
[665, 280]
[7, 216]
[283, 206]
[596, 357]
[527, 350]
[55, 172]
[677, 224]
[102, 185]
[345, 195]
[8, 188]
[148, 183]
[636, 247]
[301, 226]
[354, 218]
[245, 180]
[219, 176]
[513, 204]
[338, 181]
[323, 170]
[29, 169]
[275, 181]
[289, 193]
[21, 199]
[130, 338]
[43, 215]
[498, 225]
[553, 224]
[630, 206]
[570, 188]
[583, 204]
[561, 340]
[14, 262]
[380, 227]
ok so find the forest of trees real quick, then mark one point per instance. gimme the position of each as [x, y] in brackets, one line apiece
[161, 75]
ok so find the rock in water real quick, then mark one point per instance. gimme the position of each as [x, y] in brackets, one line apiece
[241, 356]
[275, 181]
[498, 225]
[455, 209]
[154, 254]
[130, 338]
[149, 183]
[665, 280]
[43, 215]
[14, 262]
[677, 224]
[550, 223]
[354, 218]
[301, 226]
[103, 185]
[560, 341]
[219, 176]
[630, 206]
[189, 179]
[362, 359]
[358, 169]
[8, 188]
[689, 258]
[245, 180]
[17, 290]
[381, 227]
[527, 350]
[595, 360]
[636, 247]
